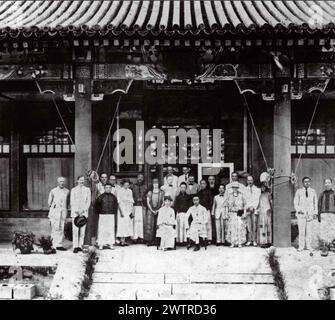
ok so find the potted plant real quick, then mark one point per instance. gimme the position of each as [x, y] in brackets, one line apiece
[23, 241]
[46, 244]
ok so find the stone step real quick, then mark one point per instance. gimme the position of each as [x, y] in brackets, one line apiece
[227, 291]
[173, 266]
[108, 291]
[170, 278]
[128, 291]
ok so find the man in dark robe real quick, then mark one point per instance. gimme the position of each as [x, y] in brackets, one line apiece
[206, 200]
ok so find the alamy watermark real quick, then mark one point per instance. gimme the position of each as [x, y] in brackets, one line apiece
[183, 146]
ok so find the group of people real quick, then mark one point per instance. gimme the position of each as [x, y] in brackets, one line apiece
[309, 207]
[180, 212]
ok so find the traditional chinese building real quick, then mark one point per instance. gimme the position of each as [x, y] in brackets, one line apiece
[71, 72]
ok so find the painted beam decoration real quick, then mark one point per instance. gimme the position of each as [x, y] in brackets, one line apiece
[126, 71]
[29, 72]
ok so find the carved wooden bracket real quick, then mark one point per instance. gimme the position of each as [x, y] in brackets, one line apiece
[61, 87]
[103, 87]
[264, 87]
[306, 86]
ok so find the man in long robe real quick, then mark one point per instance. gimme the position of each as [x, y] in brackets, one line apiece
[181, 205]
[206, 200]
[80, 201]
[106, 207]
[139, 193]
[58, 202]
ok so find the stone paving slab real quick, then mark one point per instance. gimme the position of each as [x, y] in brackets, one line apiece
[305, 274]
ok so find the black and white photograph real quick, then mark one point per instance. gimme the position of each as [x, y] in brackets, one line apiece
[167, 151]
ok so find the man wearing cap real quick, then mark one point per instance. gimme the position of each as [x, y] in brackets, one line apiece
[306, 207]
[80, 202]
[139, 193]
[58, 203]
[197, 223]
[106, 207]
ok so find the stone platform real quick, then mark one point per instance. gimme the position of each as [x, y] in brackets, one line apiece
[219, 273]
[66, 284]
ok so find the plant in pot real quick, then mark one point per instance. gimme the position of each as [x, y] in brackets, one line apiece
[46, 244]
[23, 241]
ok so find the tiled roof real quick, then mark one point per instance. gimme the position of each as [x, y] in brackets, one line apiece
[162, 16]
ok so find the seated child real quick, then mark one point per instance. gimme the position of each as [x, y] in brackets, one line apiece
[166, 223]
[197, 218]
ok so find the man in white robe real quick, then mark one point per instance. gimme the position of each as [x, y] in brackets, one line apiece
[197, 223]
[80, 203]
[58, 202]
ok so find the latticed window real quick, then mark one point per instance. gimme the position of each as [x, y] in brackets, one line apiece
[320, 138]
[47, 150]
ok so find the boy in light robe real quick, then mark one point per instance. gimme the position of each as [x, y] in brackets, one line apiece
[197, 223]
[166, 223]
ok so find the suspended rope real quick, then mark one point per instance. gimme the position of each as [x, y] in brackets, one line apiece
[310, 125]
[58, 111]
[109, 132]
[255, 130]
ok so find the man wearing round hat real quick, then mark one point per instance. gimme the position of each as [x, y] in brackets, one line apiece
[106, 207]
[80, 203]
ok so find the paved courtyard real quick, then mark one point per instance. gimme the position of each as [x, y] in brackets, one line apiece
[219, 273]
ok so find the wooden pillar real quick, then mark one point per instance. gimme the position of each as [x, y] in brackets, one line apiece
[282, 164]
[83, 121]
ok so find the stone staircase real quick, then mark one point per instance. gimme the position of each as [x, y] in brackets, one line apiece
[219, 273]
